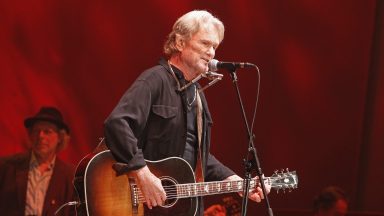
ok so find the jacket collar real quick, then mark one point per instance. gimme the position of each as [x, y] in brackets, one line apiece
[176, 75]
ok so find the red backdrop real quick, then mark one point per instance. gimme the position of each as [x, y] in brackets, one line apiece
[322, 97]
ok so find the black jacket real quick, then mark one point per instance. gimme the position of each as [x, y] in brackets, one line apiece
[150, 122]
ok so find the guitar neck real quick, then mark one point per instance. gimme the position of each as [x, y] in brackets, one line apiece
[211, 188]
[277, 181]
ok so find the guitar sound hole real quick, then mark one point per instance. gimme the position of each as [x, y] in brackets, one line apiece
[169, 185]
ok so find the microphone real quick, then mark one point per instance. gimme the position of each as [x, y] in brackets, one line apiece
[214, 65]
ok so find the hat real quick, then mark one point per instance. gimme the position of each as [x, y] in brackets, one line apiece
[50, 114]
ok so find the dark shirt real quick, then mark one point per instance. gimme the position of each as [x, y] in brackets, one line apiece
[189, 98]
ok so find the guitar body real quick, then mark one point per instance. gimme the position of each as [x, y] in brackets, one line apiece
[103, 192]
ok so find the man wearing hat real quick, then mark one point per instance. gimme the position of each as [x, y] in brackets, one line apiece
[37, 182]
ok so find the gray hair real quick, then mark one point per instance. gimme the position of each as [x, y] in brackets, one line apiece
[189, 24]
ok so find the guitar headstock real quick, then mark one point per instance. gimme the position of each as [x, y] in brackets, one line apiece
[284, 179]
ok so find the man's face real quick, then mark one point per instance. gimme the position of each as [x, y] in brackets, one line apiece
[44, 138]
[199, 50]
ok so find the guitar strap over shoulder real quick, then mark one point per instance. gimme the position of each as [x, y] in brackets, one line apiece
[199, 165]
[102, 146]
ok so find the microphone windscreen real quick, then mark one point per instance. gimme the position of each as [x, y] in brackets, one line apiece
[212, 65]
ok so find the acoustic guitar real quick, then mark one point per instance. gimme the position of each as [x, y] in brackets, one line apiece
[105, 189]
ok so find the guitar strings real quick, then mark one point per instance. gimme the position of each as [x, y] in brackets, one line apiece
[172, 192]
[174, 195]
[184, 190]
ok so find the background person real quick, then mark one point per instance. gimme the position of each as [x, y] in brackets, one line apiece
[37, 182]
[332, 201]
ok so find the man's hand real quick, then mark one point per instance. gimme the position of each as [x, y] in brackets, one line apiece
[255, 194]
[150, 187]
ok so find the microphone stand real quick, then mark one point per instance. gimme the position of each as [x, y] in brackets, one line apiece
[251, 162]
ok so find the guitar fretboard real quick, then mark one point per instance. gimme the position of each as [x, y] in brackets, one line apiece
[210, 188]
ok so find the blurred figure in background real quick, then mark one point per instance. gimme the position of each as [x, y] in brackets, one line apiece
[332, 201]
[229, 205]
[37, 182]
[215, 210]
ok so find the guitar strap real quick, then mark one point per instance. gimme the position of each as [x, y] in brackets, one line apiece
[199, 165]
